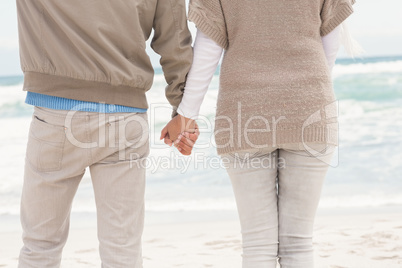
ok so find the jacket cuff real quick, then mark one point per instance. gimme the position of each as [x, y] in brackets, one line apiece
[174, 112]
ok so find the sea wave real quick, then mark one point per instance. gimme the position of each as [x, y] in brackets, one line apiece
[367, 68]
[365, 80]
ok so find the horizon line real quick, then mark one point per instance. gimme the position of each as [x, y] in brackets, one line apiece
[159, 67]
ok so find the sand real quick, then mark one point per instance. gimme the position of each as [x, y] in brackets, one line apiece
[352, 238]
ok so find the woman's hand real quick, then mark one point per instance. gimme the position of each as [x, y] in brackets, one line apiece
[186, 141]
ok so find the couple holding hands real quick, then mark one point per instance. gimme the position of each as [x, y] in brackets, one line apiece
[86, 71]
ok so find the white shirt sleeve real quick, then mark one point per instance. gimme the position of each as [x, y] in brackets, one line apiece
[331, 43]
[206, 58]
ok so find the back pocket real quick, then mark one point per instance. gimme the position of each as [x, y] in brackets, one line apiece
[45, 145]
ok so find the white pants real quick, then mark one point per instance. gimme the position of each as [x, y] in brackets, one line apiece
[277, 194]
[58, 152]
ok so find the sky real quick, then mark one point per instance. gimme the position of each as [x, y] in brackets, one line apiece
[376, 25]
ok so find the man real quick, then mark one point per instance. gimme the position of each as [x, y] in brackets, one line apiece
[86, 72]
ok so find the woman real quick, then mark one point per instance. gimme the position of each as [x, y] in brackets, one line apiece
[276, 122]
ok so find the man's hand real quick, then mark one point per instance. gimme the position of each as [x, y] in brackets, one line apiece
[181, 125]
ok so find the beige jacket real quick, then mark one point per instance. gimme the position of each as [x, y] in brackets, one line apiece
[95, 50]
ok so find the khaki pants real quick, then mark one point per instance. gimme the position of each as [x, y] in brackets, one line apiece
[61, 145]
[277, 193]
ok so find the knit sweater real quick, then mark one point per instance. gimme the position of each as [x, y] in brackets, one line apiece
[206, 57]
[275, 86]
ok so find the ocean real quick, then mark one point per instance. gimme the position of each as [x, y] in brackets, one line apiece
[368, 170]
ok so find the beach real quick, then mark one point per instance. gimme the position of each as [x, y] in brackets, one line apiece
[347, 238]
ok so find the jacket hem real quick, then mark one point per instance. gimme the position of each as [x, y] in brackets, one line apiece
[90, 91]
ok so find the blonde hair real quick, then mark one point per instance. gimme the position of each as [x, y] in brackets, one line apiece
[352, 47]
